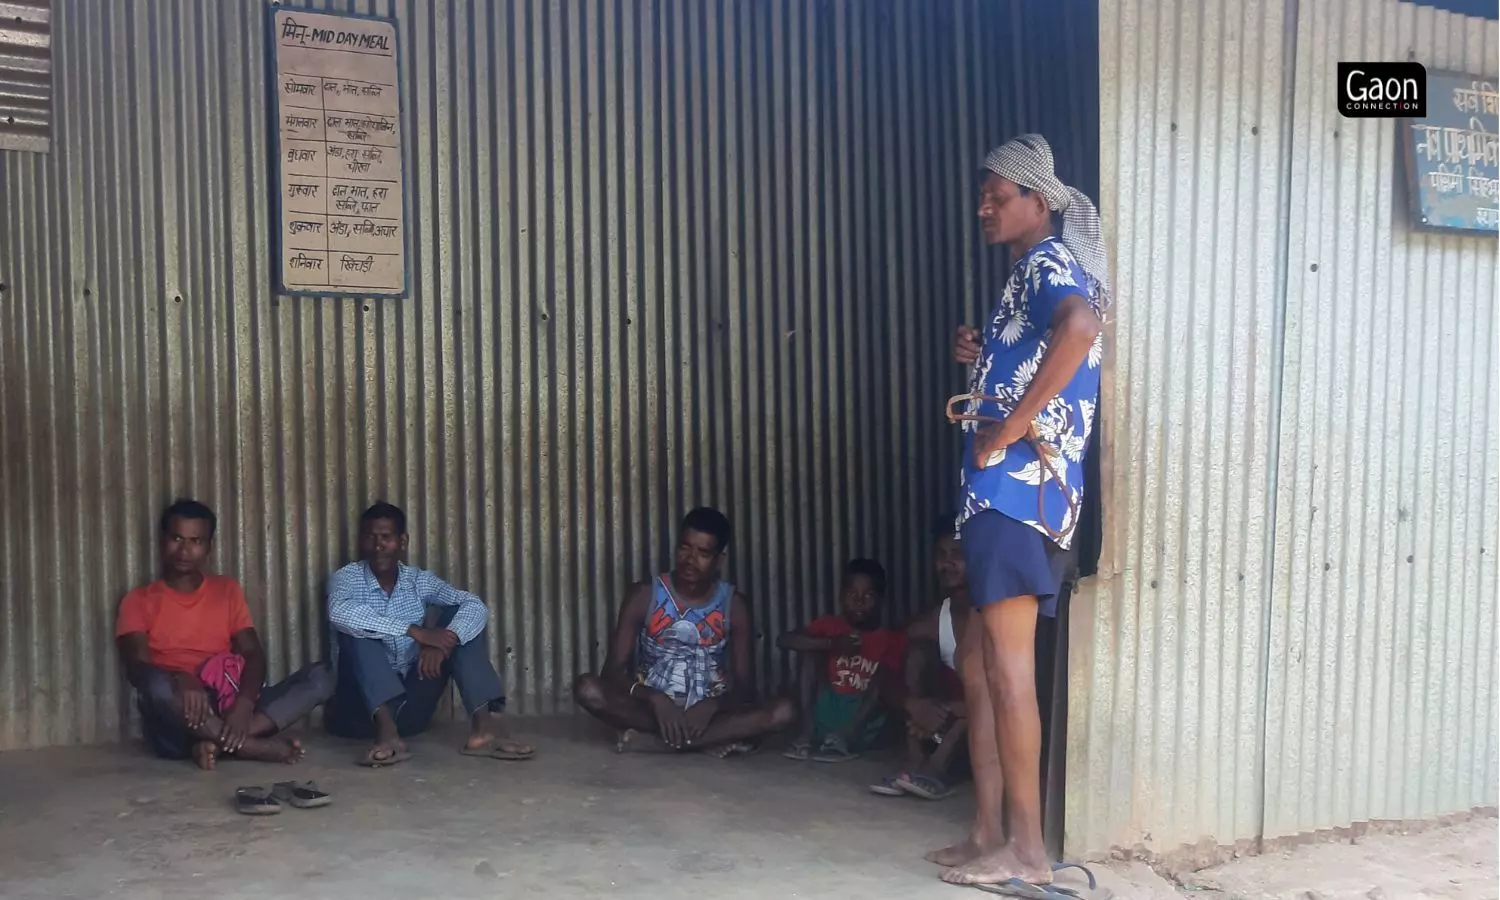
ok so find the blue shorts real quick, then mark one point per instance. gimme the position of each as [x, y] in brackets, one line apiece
[1008, 559]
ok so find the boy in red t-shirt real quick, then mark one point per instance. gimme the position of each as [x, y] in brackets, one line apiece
[845, 659]
[192, 654]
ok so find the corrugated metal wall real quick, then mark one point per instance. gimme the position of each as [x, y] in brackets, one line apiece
[1301, 403]
[1382, 678]
[25, 75]
[666, 253]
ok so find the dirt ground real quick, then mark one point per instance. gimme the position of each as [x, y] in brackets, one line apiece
[578, 822]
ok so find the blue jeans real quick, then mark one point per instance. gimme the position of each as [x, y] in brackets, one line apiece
[366, 682]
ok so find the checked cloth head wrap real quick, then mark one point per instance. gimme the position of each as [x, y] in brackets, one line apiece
[1027, 161]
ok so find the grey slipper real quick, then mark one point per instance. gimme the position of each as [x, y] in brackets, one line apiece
[300, 794]
[255, 801]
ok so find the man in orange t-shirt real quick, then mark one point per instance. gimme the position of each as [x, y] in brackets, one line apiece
[192, 653]
[845, 660]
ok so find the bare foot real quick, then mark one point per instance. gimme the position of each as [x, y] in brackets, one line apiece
[956, 855]
[632, 741]
[282, 750]
[1000, 866]
[205, 755]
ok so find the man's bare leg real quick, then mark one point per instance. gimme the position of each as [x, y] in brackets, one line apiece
[748, 722]
[810, 669]
[937, 764]
[261, 746]
[1010, 664]
[724, 730]
[987, 834]
[613, 705]
[488, 728]
[388, 743]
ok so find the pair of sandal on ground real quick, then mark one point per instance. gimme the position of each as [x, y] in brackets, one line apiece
[500, 748]
[257, 801]
[1015, 887]
[833, 749]
[914, 784]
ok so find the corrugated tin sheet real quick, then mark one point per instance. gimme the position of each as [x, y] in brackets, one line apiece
[1167, 643]
[1284, 439]
[665, 253]
[1382, 679]
[25, 75]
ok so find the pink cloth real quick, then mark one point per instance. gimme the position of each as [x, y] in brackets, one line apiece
[221, 674]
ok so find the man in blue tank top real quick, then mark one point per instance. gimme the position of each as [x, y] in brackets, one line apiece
[666, 683]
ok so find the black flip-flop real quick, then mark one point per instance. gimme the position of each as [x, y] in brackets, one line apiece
[1015, 887]
[255, 801]
[370, 762]
[300, 794]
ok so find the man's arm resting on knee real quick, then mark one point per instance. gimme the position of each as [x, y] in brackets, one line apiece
[628, 624]
[135, 653]
[351, 613]
[471, 616]
[741, 687]
[246, 644]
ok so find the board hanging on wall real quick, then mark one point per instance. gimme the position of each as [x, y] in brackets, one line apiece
[1451, 155]
[340, 215]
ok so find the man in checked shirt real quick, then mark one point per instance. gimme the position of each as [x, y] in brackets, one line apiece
[402, 633]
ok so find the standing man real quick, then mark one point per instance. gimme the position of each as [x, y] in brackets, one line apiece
[402, 633]
[192, 654]
[1026, 421]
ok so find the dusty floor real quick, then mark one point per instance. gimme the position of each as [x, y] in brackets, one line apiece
[578, 822]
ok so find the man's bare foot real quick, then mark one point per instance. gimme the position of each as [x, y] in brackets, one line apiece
[958, 854]
[205, 755]
[632, 741]
[999, 866]
[276, 749]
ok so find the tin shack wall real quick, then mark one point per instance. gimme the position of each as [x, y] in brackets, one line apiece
[664, 253]
[1293, 628]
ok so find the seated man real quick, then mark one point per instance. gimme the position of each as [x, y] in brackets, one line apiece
[937, 723]
[665, 685]
[192, 653]
[846, 663]
[402, 633]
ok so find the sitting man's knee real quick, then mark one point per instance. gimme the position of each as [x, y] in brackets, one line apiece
[323, 681]
[588, 692]
[159, 690]
[783, 713]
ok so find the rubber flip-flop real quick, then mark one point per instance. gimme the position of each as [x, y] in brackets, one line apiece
[369, 761]
[834, 751]
[1015, 887]
[889, 786]
[300, 794]
[800, 751]
[924, 786]
[255, 801]
[495, 751]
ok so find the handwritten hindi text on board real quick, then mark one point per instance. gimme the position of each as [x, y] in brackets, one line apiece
[339, 154]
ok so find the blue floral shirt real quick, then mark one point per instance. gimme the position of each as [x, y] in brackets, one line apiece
[1014, 343]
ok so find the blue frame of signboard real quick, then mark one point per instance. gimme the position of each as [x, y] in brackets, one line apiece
[1450, 156]
[273, 131]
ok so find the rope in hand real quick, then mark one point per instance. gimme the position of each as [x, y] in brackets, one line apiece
[1046, 454]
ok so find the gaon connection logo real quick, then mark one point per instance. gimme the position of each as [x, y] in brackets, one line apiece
[1381, 90]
